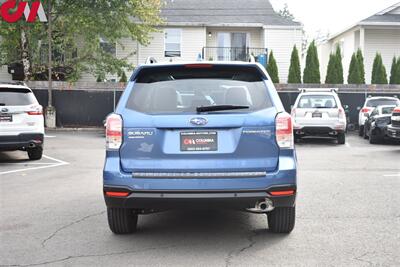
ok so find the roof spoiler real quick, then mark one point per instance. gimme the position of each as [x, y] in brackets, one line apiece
[305, 90]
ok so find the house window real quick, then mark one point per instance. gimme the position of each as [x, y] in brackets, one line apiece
[172, 41]
[108, 47]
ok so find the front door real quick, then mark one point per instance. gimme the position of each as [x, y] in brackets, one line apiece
[232, 46]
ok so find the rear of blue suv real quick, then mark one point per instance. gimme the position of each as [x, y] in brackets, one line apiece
[201, 135]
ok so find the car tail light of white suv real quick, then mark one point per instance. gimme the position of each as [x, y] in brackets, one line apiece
[113, 132]
[35, 110]
[284, 131]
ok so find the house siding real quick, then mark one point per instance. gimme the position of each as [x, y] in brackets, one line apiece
[384, 41]
[281, 42]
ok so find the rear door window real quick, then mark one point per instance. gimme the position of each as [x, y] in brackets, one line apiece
[317, 101]
[181, 89]
[16, 97]
[381, 102]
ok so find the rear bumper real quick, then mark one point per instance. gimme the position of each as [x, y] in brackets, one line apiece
[318, 131]
[156, 201]
[21, 141]
[393, 132]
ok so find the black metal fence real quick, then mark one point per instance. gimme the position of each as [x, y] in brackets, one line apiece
[231, 53]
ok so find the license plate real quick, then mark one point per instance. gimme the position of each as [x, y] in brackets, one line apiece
[317, 115]
[5, 118]
[199, 141]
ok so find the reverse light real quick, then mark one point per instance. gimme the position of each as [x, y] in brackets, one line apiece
[117, 194]
[284, 130]
[113, 132]
[282, 193]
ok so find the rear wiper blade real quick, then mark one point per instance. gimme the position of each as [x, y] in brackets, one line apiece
[219, 108]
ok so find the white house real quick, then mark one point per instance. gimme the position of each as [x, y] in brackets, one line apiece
[378, 33]
[216, 30]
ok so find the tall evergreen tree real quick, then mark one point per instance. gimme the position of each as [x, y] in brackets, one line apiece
[361, 67]
[311, 71]
[272, 68]
[395, 71]
[354, 76]
[339, 66]
[331, 72]
[378, 71]
[294, 69]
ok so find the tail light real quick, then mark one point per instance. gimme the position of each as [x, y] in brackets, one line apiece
[284, 131]
[35, 110]
[341, 113]
[396, 109]
[365, 110]
[113, 132]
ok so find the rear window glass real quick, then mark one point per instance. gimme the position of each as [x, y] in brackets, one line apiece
[16, 97]
[381, 102]
[182, 90]
[387, 110]
[317, 101]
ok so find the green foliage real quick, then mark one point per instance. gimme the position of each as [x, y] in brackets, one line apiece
[378, 71]
[311, 71]
[78, 27]
[294, 69]
[272, 68]
[395, 71]
[335, 68]
[123, 78]
[354, 76]
[361, 67]
[285, 13]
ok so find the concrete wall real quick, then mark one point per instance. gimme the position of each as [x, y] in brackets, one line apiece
[281, 42]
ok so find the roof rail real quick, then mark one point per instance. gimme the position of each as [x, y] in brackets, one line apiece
[150, 60]
[304, 90]
[14, 83]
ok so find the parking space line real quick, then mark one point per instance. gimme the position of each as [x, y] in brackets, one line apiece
[49, 165]
[392, 175]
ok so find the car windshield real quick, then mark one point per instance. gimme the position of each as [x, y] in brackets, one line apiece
[380, 102]
[387, 110]
[184, 91]
[16, 97]
[317, 101]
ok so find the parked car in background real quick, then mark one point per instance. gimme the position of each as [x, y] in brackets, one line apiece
[371, 103]
[200, 135]
[319, 113]
[21, 120]
[375, 127]
[393, 129]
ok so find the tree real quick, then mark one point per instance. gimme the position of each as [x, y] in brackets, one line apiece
[354, 76]
[335, 68]
[272, 68]
[77, 30]
[294, 69]
[378, 71]
[395, 71]
[285, 13]
[311, 71]
[361, 67]
[123, 78]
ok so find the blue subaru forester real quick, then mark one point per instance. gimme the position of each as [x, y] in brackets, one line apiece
[199, 135]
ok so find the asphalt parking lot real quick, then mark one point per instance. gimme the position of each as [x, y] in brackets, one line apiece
[53, 213]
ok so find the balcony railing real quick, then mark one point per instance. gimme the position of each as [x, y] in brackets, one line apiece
[232, 53]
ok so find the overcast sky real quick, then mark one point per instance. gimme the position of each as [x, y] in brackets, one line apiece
[331, 15]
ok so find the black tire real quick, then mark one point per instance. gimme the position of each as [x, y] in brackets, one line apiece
[361, 130]
[122, 221]
[341, 138]
[296, 139]
[365, 135]
[373, 139]
[282, 220]
[35, 153]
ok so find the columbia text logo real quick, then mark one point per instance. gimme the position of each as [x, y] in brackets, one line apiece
[11, 15]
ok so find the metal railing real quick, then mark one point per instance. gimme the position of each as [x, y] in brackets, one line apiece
[231, 53]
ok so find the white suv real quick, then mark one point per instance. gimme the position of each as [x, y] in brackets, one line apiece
[370, 104]
[21, 120]
[319, 112]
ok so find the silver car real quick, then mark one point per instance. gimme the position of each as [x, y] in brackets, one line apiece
[319, 112]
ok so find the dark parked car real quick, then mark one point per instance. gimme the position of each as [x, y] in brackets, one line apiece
[393, 129]
[375, 127]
